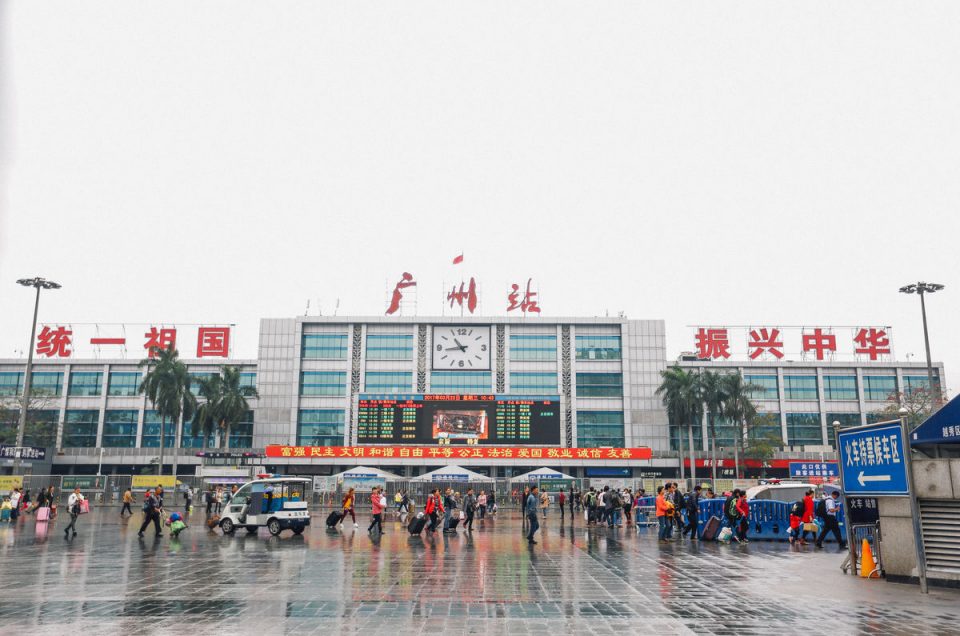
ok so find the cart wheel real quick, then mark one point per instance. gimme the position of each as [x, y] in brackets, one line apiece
[252, 529]
[298, 529]
[227, 526]
[274, 527]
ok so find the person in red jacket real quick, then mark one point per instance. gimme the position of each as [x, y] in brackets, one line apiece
[378, 502]
[563, 502]
[808, 508]
[743, 508]
[434, 509]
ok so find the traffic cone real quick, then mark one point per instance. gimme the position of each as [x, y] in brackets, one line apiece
[867, 564]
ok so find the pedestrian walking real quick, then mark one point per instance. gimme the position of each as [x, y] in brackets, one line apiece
[348, 502]
[469, 506]
[15, 497]
[544, 503]
[562, 499]
[808, 515]
[378, 502]
[433, 509]
[627, 505]
[188, 499]
[210, 498]
[531, 510]
[492, 502]
[796, 520]
[831, 507]
[523, 504]
[743, 518]
[73, 505]
[26, 503]
[482, 504]
[664, 515]
[693, 514]
[151, 513]
[218, 499]
[730, 510]
[449, 505]
[127, 500]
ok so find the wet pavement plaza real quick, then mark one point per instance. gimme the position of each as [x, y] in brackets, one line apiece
[577, 580]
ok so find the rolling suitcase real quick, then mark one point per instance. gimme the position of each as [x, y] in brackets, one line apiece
[454, 522]
[43, 514]
[334, 518]
[416, 526]
[710, 529]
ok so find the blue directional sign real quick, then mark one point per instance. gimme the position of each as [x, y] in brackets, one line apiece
[872, 460]
[814, 469]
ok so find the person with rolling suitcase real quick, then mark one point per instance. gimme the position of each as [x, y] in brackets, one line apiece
[417, 524]
[433, 509]
[334, 518]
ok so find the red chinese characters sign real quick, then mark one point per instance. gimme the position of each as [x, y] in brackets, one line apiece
[448, 452]
[138, 341]
[774, 343]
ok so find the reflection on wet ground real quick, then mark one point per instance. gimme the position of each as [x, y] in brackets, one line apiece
[577, 580]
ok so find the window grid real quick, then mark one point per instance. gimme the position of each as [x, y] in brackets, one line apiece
[533, 347]
[389, 347]
[598, 347]
[768, 383]
[600, 428]
[460, 381]
[320, 427]
[323, 383]
[123, 383]
[533, 383]
[11, 383]
[800, 387]
[151, 431]
[324, 346]
[241, 433]
[840, 387]
[80, 428]
[804, 429]
[389, 381]
[879, 388]
[46, 383]
[599, 385]
[86, 383]
[120, 428]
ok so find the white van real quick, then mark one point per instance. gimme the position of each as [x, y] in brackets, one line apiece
[279, 503]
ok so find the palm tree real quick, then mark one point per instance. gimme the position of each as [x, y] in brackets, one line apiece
[226, 404]
[713, 390]
[167, 386]
[681, 394]
[739, 408]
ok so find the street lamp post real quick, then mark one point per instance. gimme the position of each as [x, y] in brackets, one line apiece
[38, 283]
[922, 288]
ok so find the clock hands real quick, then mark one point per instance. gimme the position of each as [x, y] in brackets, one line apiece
[460, 346]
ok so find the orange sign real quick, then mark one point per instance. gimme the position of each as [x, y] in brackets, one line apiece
[456, 452]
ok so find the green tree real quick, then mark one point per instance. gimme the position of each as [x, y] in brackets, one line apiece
[713, 389]
[682, 398]
[225, 404]
[167, 385]
[41, 424]
[739, 408]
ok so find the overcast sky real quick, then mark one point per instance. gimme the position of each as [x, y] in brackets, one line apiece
[700, 162]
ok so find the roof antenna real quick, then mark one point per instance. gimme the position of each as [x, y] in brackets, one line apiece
[306, 312]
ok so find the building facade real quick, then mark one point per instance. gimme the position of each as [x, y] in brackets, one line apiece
[361, 381]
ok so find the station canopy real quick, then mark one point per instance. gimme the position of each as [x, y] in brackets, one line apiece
[451, 473]
[943, 427]
[540, 473]
[367, 471]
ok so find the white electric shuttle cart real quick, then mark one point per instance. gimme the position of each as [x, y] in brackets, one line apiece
[279, 503]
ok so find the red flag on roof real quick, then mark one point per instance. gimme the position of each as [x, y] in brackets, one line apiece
[458, 260]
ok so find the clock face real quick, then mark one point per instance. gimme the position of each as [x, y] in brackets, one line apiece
[461, 348]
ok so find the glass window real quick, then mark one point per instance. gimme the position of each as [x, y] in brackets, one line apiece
[765, 426]
[676, 431]
[533, 347]
[533, 383]
[324, 346]
[241, 433]
[599, 428]
[196, 377]
[120, 428]
[189, 440]
[248, 380]
[389, 381]
[41, 429]
[768, 386]
[599, 385]
[804, 428]
[323, 383]
[11, 383]
[46, 383]
[879, 388]
[846, 421]
[151, 431]
[913, 382]
[800, 387]
[320, 427]
[460, 382]
[86, 383]
[80, 428]
[840, 387]
[389, 346]
[598, 347]
[124, 383]
[724, 429]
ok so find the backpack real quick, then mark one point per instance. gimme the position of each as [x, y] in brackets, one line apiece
[147, 506]
[431, 505]
[821, 510]
[797, 509]
[731, 508]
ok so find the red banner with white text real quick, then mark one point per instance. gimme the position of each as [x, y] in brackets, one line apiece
[456, 452]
